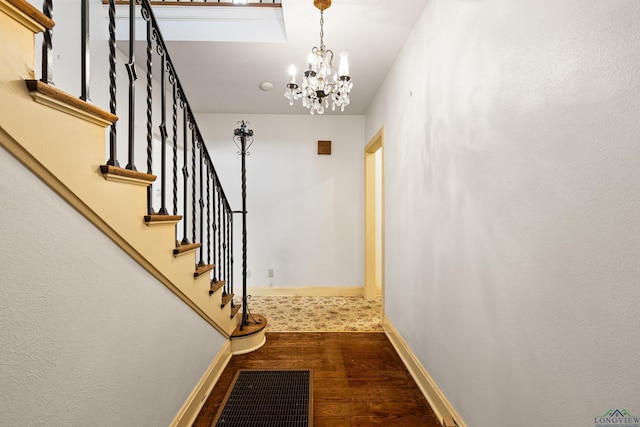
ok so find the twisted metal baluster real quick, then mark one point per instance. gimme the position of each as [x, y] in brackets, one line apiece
[193, 181]
[230, 284]
[131, 71]
[47, 46]
[224, 246]
[213, 224]
[175, 147]
[150, 34]
[229, 276]
[112, 83]
[185, 175]
[209, 212]
[163, 130]
[219, 227]
[201, 203]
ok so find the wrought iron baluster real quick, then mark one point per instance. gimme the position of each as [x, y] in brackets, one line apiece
[163, 130]
[219, 227]
[193, 181]
[47, 45]
[185, 174]
[175, 146]
[113, 161]
[131, 70]
[225, 271]
[212, 225]
[230, 284]
[230, 248]
[201, 203]
[84, 48]
[221, 242]
[150, 34]
[209, 178]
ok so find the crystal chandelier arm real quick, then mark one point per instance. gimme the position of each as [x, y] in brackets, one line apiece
[330, 60]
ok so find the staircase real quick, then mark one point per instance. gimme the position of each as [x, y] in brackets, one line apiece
[61, 139]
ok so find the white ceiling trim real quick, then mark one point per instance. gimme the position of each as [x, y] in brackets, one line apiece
[209, 24]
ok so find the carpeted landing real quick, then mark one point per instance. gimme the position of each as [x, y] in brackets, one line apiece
[319, 314]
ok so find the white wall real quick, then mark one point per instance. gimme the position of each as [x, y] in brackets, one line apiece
[86, 335]
[305, 211]
[512, 198]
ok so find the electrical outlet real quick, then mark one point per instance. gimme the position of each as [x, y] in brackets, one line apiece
[270, 272]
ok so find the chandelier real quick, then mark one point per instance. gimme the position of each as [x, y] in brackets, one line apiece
[319, 81]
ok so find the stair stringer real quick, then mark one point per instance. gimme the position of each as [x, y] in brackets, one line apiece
[66, 153]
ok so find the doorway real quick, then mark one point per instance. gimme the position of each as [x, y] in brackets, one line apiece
[374, 217]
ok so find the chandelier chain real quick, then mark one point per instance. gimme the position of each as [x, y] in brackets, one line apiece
[322, 29]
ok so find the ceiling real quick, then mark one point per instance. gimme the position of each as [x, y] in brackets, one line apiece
[225, 76]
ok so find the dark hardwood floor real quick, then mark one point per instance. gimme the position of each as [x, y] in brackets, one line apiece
[358, 379]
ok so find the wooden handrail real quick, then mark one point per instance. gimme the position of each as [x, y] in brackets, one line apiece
[35, 14]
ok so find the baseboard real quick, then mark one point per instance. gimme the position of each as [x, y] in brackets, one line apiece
[191, 408]
[445, 412]
[318, 291]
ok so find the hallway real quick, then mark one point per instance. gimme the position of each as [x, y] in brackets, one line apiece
[359, 380]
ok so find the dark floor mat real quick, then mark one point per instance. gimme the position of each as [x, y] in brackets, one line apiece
[264, 398]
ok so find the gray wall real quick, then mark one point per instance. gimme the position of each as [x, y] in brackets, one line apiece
[512, 205]
[87, 337]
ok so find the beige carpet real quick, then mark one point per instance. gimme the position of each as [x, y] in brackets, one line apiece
[318, 314]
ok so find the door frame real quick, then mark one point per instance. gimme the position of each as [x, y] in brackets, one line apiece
[370, 218]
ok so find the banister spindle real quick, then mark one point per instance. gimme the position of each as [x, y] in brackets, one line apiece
[193, 181]
[185, 174]
[201, 202]
[222, 244]
[149, 51]
[209, 178]
[163, 131]
[47, 45]
[230, 248]
[113, 161]
[212, 224]
[219, 226]
[225, 270]
[131, 71]
[175, 148]
[84, 47]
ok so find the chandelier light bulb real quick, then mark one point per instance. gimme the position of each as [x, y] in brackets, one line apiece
[343, 70]
[292, 73]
